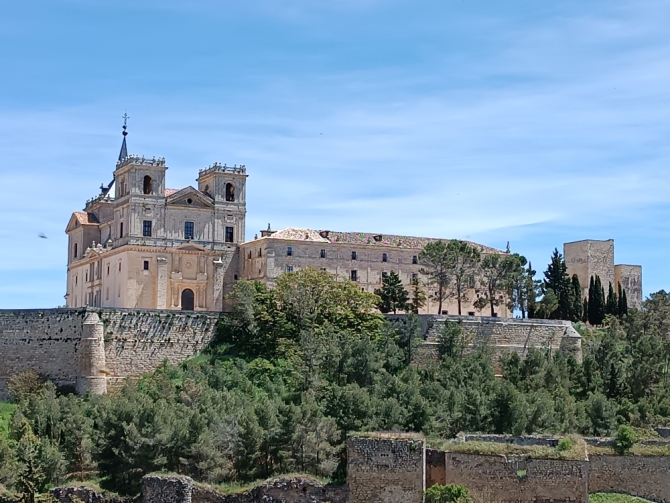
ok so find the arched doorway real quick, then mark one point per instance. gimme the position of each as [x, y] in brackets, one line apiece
[187, 300]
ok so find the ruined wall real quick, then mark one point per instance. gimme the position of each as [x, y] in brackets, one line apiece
[167, 489]
[386, 469]
[95, 348]
[630, 278]
[643, 476]
[502, 334]
[435, 467]
[501, 479]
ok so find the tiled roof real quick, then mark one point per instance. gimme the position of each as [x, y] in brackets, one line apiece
[362, 238]
[169, 192]
[86, 218]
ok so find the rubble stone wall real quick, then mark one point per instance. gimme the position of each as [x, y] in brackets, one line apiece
[502, 334]
[54, 343]
[386, 469]
[644, 476]
[494, 478]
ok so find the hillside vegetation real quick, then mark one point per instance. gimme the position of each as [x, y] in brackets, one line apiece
[295, 369]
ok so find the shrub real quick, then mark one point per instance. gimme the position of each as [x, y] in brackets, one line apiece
[451, 493]
[624, 439]
[565, 444]
[24, 384]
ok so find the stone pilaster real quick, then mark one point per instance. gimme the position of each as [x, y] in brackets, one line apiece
[162, 284]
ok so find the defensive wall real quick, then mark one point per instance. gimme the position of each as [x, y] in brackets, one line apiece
[500, 335]
[397, 468]
[97, 348]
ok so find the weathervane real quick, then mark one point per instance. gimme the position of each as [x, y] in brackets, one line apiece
[125, 123]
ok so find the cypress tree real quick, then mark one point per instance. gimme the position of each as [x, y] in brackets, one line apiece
[623, 310]
[591, 313]
[585, 311]
[577, 306]
[600, 302]
[612, 305]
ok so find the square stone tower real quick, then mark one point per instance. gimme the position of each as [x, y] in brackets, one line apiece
[590, 258]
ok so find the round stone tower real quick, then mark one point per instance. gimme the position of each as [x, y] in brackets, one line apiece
[92, 357]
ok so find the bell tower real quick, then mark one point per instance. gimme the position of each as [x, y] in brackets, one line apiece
[227, 186]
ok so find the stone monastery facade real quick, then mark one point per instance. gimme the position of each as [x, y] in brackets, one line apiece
[141, 245]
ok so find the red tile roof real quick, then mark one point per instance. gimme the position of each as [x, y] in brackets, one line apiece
[86, 218]
[169, 192]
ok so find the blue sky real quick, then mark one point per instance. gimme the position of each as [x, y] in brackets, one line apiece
[523, 121]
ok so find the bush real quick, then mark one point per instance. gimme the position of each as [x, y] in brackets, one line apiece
[565, 444]
[24, 384]
[451, 493]
[624, 439]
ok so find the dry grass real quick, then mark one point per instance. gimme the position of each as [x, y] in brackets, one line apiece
[577, 451]
[637, 450]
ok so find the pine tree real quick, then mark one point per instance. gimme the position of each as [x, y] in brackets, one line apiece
[557, 279]
[392, 294]
[418, 297]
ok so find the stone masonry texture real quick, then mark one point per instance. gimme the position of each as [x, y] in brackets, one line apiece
[386, 469]
[96, 349]
[644, 476]
[502, 479]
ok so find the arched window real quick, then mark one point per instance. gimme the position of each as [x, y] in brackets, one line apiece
[187, 300]
[75, 250]
[230, 192]
[147, 184]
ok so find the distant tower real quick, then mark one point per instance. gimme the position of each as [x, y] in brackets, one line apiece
[227, 185]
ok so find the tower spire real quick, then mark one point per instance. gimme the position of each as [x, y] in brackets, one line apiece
[124, 149]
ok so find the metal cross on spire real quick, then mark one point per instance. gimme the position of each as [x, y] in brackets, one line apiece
[124, 149]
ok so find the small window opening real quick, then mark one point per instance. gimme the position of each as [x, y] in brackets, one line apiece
[415, 276]
[107, 269]
[445, 312]
[415, 259]
[495, 315]
[86, 276]
[354, 275]
[75, 250]
[471, 313]
[323, 254]
[189, 201]
[119, 266]
[147, 184]
[353, 255]
[146, 265]
[289, 251]
[75, 280]
[249, 254]
[385, 257]
[289, 268]
[384, 274]
[229, 235]
[121, 230]
[146, 228]
[230, 192]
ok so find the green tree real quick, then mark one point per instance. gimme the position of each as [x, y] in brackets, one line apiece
[437, 267]
[622, 307]
[463, 260]
[520, 284]
[577, 307]
[597, 301]
[612, 303]
[531, 292]
[30, 476]
[450, 493]
[392, 295]
[496, 271]
[625, 439]
[556, 278]
[418, 296]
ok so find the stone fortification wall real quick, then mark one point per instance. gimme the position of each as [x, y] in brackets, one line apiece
[492, 478]
[386, 469]
[47, 340]
[590, 258]
[95, 348]
[138, 341]
[630, 277]
[502, 334]
[644, 476]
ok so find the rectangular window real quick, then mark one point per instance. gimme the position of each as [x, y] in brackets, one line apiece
[354, 275]
[188, 230]
[353, 255]
[289, 251]
[75, 250]
[415, 276]
[415, 259]
[289, 268]
[385, 257]
[146, 228]
[471, 313]
[146, 265]
[323, 253]
[121, 230]
[495, 315]
[229, 235]
[384, 274]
